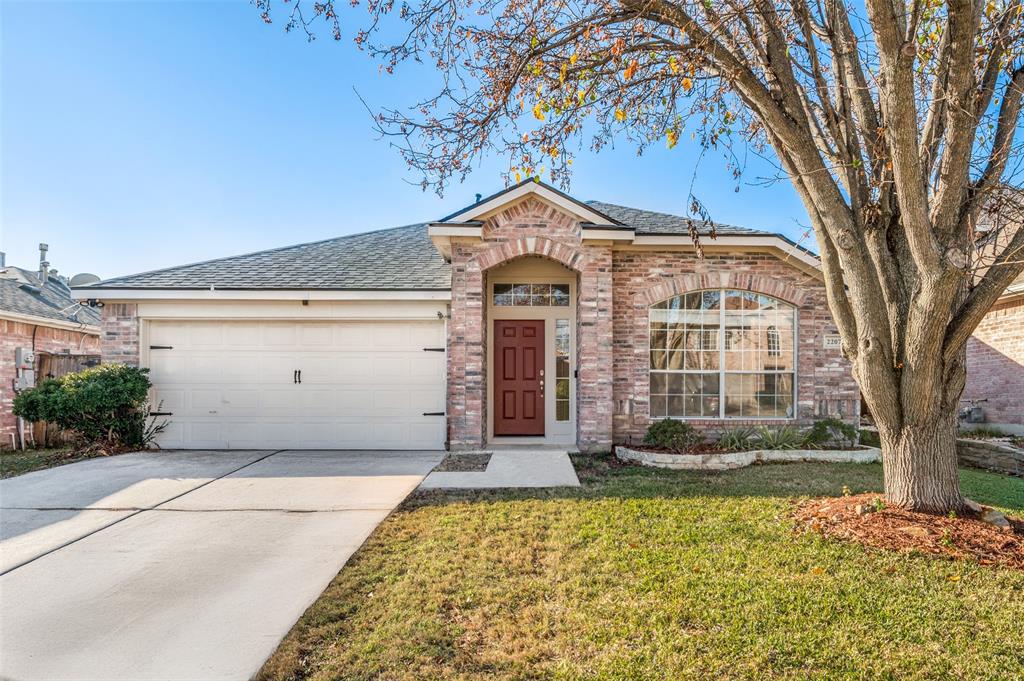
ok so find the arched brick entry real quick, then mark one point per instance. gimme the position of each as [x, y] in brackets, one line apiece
[468, 333]
[507, 251]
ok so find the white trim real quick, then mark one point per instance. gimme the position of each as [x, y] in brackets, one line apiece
[739, 241]
[504, 198]
[442, 229]
[46, 321]
[593, 233]
[110, 294]
[722, 372]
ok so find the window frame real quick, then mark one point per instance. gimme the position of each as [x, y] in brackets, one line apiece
[721, 371]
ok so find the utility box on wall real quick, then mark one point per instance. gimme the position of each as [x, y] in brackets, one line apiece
[25, 368]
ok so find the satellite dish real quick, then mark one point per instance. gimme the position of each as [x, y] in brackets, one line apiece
[83, 279]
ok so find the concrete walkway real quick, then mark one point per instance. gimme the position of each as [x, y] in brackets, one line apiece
[512, 468]
[180, 565]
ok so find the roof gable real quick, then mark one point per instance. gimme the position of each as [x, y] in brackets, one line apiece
[499, 201]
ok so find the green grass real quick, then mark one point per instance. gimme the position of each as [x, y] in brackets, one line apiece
[17, 462]
[649, 574]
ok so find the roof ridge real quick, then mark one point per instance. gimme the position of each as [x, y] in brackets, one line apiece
[279, 249]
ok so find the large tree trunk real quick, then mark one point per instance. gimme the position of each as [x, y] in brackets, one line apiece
[920, 465]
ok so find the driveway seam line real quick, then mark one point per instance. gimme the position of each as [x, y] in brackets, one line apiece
[137, 512]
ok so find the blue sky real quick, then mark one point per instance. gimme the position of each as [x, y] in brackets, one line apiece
[139, 135]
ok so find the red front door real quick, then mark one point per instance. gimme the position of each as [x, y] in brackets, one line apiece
[518, 377]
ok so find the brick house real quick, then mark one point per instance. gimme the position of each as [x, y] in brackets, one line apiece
[995, 362]
[37, 312]
[529, 317]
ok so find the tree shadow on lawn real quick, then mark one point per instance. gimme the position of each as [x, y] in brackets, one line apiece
[604, 476]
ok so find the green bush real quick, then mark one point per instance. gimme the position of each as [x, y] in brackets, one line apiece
[736, 440]
[671, 434]
[37, 404]
[870, 438]
[830, 432]
[981, 433]
[786, 437]
[105, 404]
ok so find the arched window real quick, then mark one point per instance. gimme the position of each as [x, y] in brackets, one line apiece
[722, 354]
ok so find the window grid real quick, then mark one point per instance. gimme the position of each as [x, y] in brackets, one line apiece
[562, 379]
[747, 384]
[531, 295]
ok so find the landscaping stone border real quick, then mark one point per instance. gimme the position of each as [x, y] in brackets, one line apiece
[723, 461]
[991, 455]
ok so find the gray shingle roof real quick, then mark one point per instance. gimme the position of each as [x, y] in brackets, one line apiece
[650, 222]
[21, 293]
[402, 258]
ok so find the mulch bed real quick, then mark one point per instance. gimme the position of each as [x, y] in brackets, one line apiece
[463, 463]
[895, 529]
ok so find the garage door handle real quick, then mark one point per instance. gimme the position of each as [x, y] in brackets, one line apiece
[300, 375]
[295, 376]
[433, 413]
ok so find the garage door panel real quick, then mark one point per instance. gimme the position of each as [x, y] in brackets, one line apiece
[275, 368]
[278, 335]
[238, 368]
[241, 402]
[316, 402]
[320, 368]
[426, 365]
[364, 384]
[242, 335]
[166, 369]
[168, 399]
[315, 336]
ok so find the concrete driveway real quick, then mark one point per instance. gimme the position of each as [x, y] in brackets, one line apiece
[180, 565]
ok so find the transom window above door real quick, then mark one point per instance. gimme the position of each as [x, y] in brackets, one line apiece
[722, 354]
[531, 295]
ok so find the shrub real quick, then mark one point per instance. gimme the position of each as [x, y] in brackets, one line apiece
[981, 433]
[37, 403]
[671, 434]
[104, 404]
[736, 440]
[870, 438]
[830, 432]
[786, 437]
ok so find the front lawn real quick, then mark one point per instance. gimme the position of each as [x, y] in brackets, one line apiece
[653, 574]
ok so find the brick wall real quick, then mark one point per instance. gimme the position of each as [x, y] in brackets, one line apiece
[825, 385]
[529, 228]
[119, 331]
[47, 340]
[995, 363]
[616, 288]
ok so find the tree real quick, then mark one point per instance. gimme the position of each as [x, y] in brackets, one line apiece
[895, 122]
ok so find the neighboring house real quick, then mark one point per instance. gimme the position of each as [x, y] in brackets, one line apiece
[528, 317]
[38, 313]
[995, 362]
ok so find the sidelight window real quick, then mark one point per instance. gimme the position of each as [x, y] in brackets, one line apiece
[562, 371]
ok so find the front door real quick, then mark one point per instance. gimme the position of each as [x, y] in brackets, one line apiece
[518, 377]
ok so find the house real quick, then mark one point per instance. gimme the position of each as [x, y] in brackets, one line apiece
[995, 362]
[528, 317]
[41, 324]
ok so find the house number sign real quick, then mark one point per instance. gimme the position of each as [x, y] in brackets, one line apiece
[833, 341]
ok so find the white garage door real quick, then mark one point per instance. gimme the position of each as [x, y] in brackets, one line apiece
[296, 384]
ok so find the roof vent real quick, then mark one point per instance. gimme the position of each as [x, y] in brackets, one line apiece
[44, 266]
[83, 279]
[478, 197]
